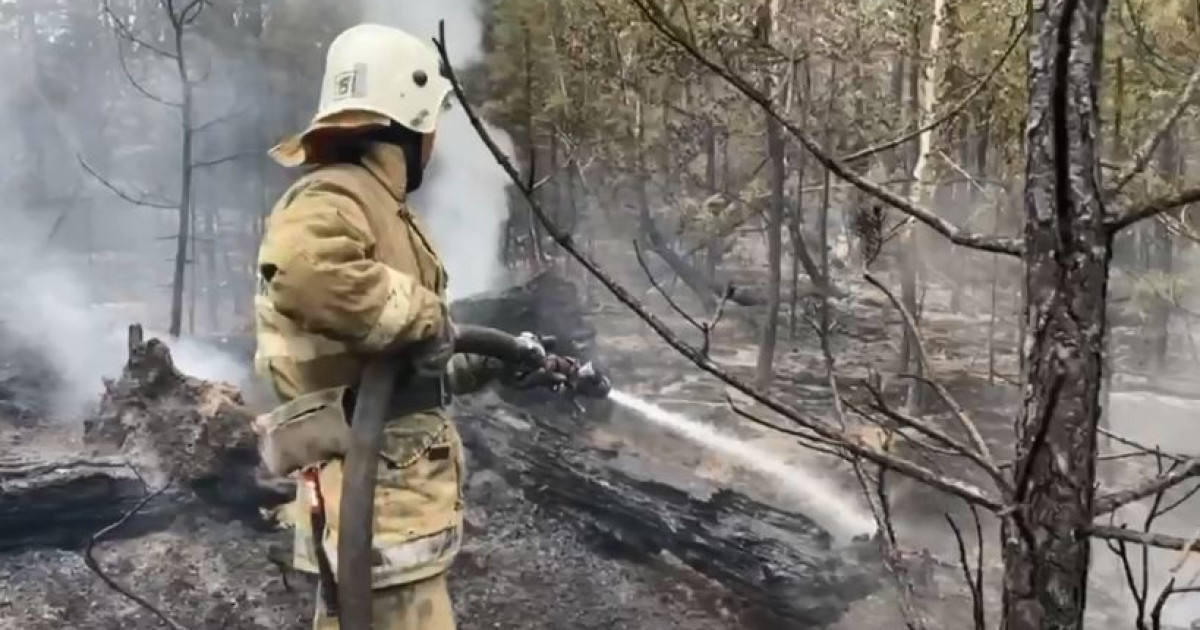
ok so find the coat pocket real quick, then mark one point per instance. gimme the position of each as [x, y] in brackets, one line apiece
[418, 522]
[307, 430]
[419, 484]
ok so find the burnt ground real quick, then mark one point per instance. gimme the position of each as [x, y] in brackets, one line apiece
[524, 565]
[521, 568]
[530, 563]
[527, 562]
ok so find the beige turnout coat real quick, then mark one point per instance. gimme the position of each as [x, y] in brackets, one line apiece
[346, 270]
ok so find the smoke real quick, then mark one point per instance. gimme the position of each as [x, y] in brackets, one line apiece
[47, 310]
[463, 199]
[54, 309]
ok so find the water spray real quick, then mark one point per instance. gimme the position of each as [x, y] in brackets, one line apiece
[822, 502]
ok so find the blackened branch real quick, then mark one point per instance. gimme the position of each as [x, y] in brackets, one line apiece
[819, 428]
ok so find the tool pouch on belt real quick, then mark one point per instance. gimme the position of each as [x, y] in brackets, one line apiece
[307, 430]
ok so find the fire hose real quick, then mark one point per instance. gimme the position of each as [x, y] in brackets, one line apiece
[382, 378]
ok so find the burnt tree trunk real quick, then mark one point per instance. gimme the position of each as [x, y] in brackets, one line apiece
[783, 567]
[776, 149]
[1066, 271]
[800, 254]
[1162, 261]
[183, 237]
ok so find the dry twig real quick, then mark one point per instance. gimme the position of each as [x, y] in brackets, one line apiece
[1141, 158]
[985, 459]
[142, 201]
[89, 559]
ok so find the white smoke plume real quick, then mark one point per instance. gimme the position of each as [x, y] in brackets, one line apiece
[47, 310]
[50, 307]
[463, 199]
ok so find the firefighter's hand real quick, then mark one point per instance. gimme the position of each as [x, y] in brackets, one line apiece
[432, 356]
[532, 353]
[553, 372]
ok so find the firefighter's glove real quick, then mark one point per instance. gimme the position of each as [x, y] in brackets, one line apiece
[553, 372]
[431, 357]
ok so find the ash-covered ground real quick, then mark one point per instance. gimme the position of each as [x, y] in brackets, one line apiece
[529, 561]
[532, 560]
[521, 568]
[208, 567]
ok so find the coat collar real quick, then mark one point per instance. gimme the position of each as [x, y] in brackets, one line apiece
[387, 163]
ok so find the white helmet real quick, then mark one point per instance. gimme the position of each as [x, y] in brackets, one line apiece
[373, 75]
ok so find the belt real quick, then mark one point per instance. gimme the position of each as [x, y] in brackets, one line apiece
[415, 396]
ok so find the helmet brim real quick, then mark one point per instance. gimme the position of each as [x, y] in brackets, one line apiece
[301, 149]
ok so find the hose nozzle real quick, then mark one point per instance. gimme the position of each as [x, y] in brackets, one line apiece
[590, 383]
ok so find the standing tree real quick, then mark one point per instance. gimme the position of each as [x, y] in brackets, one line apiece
[170, 45]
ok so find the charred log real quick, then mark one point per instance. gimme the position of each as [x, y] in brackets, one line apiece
[60, 503]
[780, 565]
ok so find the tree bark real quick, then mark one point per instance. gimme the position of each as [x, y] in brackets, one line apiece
[823, 211]
[183, 235]
[775, 153]
[1162, 260]
[922, 194]
[800, 253]
[1066, 270]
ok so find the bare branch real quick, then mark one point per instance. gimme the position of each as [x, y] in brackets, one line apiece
[1015, 37]
[880, 506]
[137, 85]
[810, 441]
[89, 559]
[854, 445]
[1139, 446]
[122, 29]
[541, 182]
[1161, 602]
[1141, 158]
[191, 12]
[143, 201]
[974, 579]
[1170, 507]
[955, 446]
[957, 410]
[957, 235]
[1150, 487]
[1121, 549]
[886, 538]
[1149, 539]
[1159, 205]
[711, 325]
[222, 160]
[641, 260]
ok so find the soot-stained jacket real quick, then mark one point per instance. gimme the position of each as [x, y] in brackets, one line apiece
[346, 270]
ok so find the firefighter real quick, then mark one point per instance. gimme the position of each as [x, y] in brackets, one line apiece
[347, 271]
